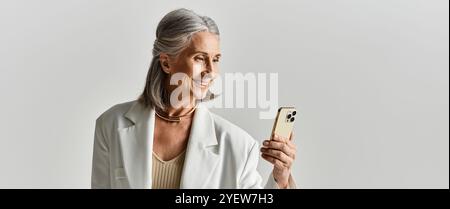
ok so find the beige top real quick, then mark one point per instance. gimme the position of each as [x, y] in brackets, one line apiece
[167, 174]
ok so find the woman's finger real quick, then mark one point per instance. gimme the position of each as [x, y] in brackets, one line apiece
[278, 155]
[276, 137]
[284, 147]
[289, 143]
[277, 163]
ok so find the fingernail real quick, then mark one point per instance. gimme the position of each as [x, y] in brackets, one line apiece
[265, 143]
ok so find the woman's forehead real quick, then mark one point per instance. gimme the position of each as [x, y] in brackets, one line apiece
[205, 42]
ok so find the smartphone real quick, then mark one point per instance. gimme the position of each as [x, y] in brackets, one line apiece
[284, 122]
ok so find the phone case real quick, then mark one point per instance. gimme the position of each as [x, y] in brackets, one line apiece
[284, 122]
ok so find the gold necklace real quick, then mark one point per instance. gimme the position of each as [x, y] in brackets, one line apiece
[163, 115]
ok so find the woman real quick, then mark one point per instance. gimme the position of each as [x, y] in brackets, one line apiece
[162, 141]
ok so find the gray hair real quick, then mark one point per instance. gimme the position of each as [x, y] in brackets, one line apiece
[173, 35]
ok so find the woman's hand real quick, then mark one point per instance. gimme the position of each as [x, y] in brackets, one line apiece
[280, 152]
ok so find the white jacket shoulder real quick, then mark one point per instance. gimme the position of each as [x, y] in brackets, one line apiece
[114, 117]
[116, 111]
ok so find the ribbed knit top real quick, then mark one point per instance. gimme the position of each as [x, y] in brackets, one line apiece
[167, 174]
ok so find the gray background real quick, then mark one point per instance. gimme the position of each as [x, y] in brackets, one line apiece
[370, 79]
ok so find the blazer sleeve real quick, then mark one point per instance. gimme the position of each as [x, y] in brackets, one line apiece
[100, 178]
[250, 177]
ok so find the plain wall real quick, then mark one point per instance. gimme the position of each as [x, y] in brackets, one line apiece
[370, 79]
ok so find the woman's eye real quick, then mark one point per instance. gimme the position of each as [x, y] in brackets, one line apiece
[199, 59]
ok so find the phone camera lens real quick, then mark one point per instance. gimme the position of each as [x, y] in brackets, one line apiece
[289, 116]
[292, 119]
[295, 112]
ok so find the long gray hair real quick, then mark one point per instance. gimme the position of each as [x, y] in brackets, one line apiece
[173, 34]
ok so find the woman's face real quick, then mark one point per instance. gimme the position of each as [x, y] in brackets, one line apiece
[199, 62]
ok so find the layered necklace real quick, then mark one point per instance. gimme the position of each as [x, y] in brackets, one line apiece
[177, 118]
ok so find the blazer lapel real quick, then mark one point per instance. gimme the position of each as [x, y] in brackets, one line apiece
[137, 144]
[202, 151]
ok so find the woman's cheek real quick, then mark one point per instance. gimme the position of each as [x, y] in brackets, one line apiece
[197, 71]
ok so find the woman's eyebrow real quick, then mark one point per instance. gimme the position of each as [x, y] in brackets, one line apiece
[200, 52]
[205, 53]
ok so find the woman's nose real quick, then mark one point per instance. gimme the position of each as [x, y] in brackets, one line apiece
[210, 66]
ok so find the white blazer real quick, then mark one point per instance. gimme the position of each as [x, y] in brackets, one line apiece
[219, 154]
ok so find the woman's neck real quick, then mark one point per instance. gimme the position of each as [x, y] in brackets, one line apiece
[183, 110]
[181, 107]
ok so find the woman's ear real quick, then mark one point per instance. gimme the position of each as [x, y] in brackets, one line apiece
[164, 61]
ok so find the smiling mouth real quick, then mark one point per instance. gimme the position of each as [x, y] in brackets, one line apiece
[204, 83]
